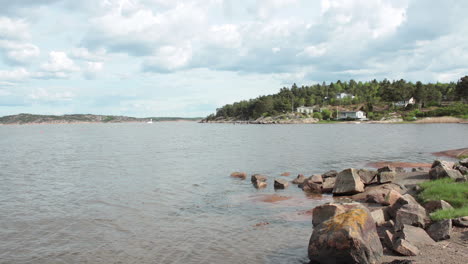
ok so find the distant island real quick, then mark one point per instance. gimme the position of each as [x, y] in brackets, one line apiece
[21, 119]
[372, 101]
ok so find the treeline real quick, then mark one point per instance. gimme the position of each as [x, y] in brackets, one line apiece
[366, 93]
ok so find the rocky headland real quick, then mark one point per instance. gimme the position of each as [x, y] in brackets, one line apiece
[378, 216]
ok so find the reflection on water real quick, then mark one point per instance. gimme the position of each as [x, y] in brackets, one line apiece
[161, 193]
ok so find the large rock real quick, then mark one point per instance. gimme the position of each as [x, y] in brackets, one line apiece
[391, 197]
[403, 200]
[383, 196]
[460, 221]
[328, 184]
[325, 212]
[379, 216]
[405, 248]
[239, 175]
[386, 177]
[380, 190]
[316, 178]
[348, 182]
[258, 177]
[299, 179]
[386, 168]
[440, 172]
[415, 235]
[462, 169]
[367, 177]
[433, 206]
[349, 237]
[411, 214]
[443, 163]
[311, 187]
[280, 184]
[440, 230]
[464, 162]
[331, 173]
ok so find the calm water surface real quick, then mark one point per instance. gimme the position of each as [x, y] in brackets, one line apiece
[161, 193]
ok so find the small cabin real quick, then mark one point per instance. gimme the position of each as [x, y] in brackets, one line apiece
[305, 109]
[344, 95]
[411, 101]
[351, 115]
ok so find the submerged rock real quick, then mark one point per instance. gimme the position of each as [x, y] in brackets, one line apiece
[239, 175]
[259, 184]
[280, 184]
[299, 179]
[286, 174]
[316, 178]
[349, 237]
[258, 177]
[348, 182]
[311, 187]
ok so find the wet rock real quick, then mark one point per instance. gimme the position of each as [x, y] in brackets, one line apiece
[440, 230]
[411, 214]
[379, 216]
[386, 169]
[325, 212]
[258, 177]
[259, 184]
[367, 177]
[349, 237]
[299, 179]
[280, 184]
[328, 184]
[386, 177]
[405, 248]
[461, 221]
[440, 172]
[311, 187]
[433, 206]
[348, 182]
[415, 235]
[239, 175]
[316, 178]
[286, 174]
[331, 173]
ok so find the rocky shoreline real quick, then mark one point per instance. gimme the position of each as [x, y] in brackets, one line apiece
[375, 217]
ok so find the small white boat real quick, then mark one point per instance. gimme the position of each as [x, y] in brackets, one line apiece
[151, 121]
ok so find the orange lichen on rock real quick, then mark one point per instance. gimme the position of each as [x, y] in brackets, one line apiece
[352, 219]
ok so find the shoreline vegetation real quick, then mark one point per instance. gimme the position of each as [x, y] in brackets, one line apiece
[350, 101]
[388, 216]
[26, 119]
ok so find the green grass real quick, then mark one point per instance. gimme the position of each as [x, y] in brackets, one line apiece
[449, 213]
[456, 194]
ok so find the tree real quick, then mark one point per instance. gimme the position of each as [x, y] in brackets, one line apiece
[326, 114]
[462, 88]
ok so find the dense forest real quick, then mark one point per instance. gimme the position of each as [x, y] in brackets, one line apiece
[365, 95]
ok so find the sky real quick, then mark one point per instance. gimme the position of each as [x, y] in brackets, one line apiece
[186, 58]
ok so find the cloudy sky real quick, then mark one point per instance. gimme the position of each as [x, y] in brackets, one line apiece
[186, 58]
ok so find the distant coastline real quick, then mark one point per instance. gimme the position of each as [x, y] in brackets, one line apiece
[294, 119]
[31, 119]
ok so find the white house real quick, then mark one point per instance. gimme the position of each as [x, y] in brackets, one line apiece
[352, 115]
[344, 95]
[305, 109]
[411, 101]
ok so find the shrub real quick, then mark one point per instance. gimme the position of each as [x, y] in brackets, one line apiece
[318, 115]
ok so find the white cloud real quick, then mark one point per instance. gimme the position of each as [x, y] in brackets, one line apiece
[42, 94]
[169, 58]
[59, 64]
[92, 69]
[84, 54]
[18, 52]
[17, 74]
[15, 29]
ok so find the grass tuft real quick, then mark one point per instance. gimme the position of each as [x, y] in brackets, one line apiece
[456, 194]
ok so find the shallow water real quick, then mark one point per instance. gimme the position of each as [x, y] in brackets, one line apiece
[161, 193]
